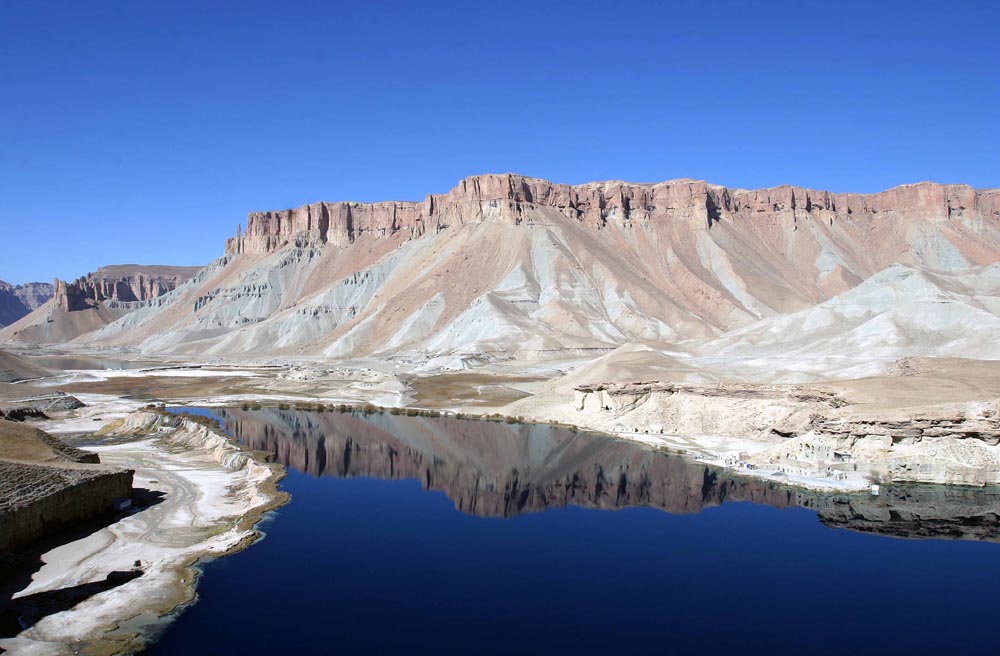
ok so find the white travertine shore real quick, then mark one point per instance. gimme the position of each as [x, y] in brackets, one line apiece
[213, 494]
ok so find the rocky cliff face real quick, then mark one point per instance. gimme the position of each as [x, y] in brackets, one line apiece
[509, 267]
[17, 301]
[125, 283]
[511, 199]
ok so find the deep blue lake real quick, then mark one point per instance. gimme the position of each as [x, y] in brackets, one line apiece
[422, 535]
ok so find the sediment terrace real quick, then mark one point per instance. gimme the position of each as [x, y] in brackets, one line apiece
[46, 485]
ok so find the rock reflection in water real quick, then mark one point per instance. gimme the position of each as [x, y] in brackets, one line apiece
[502, 470]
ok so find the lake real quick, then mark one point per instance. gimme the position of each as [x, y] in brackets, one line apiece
[409, 534]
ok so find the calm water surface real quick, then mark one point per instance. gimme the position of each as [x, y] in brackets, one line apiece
[460, 537]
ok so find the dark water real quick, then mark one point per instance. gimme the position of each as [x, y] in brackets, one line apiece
[447, 536]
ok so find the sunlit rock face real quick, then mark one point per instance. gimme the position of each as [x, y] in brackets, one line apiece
[496, 469]
[93, 301]
[515, 267]
[516, 199]
[125, 283]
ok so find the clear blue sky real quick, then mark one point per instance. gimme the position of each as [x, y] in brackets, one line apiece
[145, 131]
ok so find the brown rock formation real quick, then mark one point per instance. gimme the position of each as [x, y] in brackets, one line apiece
[91, 302]
[122, 283]
[519, 268]
[507, 198]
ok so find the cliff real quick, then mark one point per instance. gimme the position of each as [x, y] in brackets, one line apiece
[124, 283]
[95, 300]
[17, 301]
[509, 267]
[509, 198]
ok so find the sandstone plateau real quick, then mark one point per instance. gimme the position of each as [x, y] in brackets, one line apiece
[505, 266]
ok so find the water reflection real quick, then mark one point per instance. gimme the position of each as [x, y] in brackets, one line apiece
[503, 470]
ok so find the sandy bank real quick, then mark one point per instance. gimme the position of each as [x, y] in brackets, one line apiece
[210, 495]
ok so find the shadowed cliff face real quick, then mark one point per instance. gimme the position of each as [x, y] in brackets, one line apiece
[503, 470]
[17, 301]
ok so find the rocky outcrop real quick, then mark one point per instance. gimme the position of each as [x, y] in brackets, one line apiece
[126, 283]
[190, 432]
[46, 485]
[17, 301]
[568, 271]
[985, 428]
[619, 398]
[810, 430]
[36, 501]
[31, 400]
[510, 198]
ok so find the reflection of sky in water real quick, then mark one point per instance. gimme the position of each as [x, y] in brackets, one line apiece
[368, 565]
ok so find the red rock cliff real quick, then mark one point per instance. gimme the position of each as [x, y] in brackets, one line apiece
[511, 198]
[123, 283]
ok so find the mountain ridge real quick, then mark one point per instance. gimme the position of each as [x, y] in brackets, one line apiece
[17, 301]
[510, 267]
[593, 202]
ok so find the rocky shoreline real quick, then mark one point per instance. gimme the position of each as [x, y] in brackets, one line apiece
[205, 474]
[210, 495]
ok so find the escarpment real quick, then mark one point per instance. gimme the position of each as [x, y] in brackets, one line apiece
[510, 267]
[126, 283]
[95, 300]
[510, 198]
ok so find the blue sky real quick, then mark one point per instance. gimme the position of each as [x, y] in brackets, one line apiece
[145, 131]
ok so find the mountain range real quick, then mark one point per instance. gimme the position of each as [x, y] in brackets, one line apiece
[506, 267]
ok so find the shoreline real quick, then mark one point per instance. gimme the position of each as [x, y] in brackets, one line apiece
[208, 511]
[114, 628]
[698, 448]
